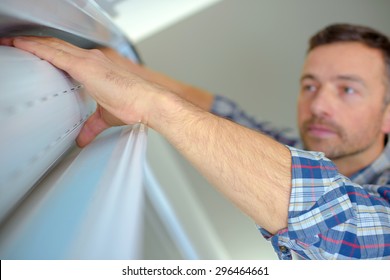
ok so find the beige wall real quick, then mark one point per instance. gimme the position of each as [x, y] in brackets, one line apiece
[252, 50]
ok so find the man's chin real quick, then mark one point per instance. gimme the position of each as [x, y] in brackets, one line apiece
[319, 147]
[328, 150]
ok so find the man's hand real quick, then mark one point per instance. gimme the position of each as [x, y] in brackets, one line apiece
[114, 87]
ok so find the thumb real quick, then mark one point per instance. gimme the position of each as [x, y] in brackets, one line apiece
[94, 125]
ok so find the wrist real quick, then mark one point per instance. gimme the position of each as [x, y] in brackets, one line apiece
[164, 110]
[172, 115]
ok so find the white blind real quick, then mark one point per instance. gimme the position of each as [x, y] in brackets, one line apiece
[86, 207]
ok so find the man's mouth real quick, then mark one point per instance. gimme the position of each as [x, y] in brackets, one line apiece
[320, 131]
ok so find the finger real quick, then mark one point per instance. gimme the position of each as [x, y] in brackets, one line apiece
[92, 128]
[60, 54]
[54, 43]
[57, 57]
[7, 41]
[63, 55]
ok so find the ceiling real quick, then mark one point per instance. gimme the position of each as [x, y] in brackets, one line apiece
[141, 19]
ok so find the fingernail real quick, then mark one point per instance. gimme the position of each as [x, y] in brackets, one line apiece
[8, 41]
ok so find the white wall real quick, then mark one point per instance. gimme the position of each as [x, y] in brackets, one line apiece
[251, 51]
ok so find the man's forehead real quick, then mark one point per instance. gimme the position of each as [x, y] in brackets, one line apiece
[349, 59]
[344, 51]
[338, 77]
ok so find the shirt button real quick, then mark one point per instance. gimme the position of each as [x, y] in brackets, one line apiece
[283, 249]
[383, 181]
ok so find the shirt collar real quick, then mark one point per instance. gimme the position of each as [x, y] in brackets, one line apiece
[370, 173]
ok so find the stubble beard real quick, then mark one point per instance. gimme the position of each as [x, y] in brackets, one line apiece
[339, 147]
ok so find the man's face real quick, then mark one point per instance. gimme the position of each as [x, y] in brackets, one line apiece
[341, 102]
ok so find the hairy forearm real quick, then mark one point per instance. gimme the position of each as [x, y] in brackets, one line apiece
[196, 96]
[249, 168]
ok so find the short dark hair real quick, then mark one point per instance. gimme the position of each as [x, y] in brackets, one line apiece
[343, 32]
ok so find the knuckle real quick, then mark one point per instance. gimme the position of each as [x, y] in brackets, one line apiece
[97, 52]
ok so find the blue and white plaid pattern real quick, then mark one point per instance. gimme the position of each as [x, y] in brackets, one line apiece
[330, 216]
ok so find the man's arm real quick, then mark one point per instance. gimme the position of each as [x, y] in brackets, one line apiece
[218, 105]
[197, 96]
[249, 168]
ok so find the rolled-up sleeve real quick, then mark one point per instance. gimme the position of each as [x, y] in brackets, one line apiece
[329, 216]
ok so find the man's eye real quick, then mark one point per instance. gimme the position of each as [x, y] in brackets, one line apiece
[349, 90]
[309, 88]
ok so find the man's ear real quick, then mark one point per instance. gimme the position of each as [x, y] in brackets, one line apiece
[386, 120]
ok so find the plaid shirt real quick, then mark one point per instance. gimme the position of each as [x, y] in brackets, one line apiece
[330, 216]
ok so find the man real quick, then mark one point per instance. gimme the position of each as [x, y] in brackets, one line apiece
[301, 200]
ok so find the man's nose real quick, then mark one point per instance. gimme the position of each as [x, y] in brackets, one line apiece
[323, 103]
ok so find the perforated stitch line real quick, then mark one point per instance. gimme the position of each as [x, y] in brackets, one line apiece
[9, 111]
[40, 154]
